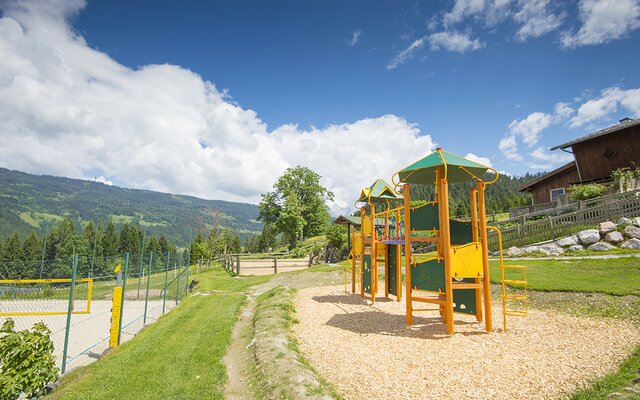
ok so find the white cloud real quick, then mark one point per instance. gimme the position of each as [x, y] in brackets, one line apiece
[406, 54]
[103, 180]
[355, 37]
[535, 19]
[608, 102]
[67, 109]
[480, 160]
[462, 9]
[453, 41]
[529, 129]
[543, 159]
[509, 147]
[604, 21]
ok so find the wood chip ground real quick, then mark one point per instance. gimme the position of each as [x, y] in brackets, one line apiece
[367, 351]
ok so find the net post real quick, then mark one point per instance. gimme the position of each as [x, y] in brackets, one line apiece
[178, 278]
[186, 281]
[69, 311]
[166, 279]
[124, 291]
[146, 297]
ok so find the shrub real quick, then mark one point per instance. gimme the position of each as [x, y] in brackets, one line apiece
[586, 192]
[26, 361]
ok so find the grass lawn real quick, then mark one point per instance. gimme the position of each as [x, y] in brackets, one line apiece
[618, 276]
[615, 382]
[178, 357]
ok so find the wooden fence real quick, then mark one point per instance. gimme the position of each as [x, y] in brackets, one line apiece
[606, 208]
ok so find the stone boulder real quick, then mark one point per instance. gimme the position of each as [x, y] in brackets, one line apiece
[515, 251]
[576, 247]
[632, 232]
[631, 244]
[625, 220]
[589, 236]
[567, 241]
[614, 237]
[531, 249]
[601, 246]
[636, 221]
[551, 249]
[606, 227]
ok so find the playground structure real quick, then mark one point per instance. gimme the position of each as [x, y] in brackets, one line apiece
[455, 277]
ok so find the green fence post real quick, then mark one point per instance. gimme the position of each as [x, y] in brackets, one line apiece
[124, 290]
[146, 297]
[186, 282]
[95, 242]
[178, 280]
[144, 234]
[44, 248]
[69, 311]
[166, 279]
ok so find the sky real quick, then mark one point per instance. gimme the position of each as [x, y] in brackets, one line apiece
[217, 98]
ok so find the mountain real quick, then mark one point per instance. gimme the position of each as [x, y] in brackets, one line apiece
[37, 202]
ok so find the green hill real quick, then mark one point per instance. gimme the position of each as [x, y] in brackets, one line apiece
[34, 202]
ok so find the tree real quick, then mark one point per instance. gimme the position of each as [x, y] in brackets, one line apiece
[267, 239]
[12, 249]
[297, 205]
[110, 243]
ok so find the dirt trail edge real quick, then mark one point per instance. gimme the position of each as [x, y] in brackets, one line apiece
[262, 360]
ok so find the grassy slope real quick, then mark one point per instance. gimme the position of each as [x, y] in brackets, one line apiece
[178, 357]
[619, 276]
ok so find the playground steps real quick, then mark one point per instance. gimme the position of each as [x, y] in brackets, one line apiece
[514, 304]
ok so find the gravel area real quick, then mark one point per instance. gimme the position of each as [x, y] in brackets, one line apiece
[367, 351]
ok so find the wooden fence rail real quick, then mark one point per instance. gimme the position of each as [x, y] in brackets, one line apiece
[554, 227]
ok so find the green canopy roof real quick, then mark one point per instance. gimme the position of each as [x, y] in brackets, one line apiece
[379, 191]
[459, 169]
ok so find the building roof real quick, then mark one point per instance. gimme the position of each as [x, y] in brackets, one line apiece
[546, 176]
[348, 220]
[624, 124]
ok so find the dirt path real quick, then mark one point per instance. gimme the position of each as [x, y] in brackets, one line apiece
[239, 357]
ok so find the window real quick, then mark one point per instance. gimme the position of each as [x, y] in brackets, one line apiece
[610, 154]
[555, 193]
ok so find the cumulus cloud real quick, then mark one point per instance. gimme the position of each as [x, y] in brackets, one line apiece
[535, 19]
[604, 21]
[406, 54]
[462, 9]
[355, 37]
[480, 160]
[67, 109]
[453, 41]
[608, 102]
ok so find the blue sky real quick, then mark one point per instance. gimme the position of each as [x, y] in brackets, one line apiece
[502, 80]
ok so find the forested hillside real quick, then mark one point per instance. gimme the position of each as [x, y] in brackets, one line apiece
[500, 196]
[32, 202]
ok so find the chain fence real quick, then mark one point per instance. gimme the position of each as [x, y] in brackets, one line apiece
[74, 297]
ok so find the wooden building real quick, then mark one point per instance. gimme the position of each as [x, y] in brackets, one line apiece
[596, 156]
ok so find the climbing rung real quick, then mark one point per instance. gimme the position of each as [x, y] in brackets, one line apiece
[515, 297]
[515, 266]
[517, 313]
[514, 282]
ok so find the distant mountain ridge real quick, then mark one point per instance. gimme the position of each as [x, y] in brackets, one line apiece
[36, 202]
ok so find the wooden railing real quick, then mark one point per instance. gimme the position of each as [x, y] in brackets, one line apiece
[589, 215]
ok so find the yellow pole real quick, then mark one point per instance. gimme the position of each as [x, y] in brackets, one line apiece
[474, 236]
[374, 254]
[353, 261]
[445, 239]
[407, 250]
[485, 256]
[398, 259]
[362, 215]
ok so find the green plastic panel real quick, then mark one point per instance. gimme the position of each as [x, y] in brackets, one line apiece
[428, 275]
[425, 218]
[461, 232]
[465, 300]
[366, 279]
[392, 251]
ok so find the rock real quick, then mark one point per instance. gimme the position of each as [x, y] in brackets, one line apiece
[589, 236]
[614, 237]
[531, 249]
[551, 249]
[576, 247]
[632, 231]
[636, 221]
[632, 244]
[515, 251]
[624, 220]
[567, 241]
[601, 246]
[606, 227]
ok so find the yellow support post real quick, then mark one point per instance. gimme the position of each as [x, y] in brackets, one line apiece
[445, 240]
[362, 247]
[407, 250]
[353, 262]
[485, 256]
[374, 255]
[474, 237]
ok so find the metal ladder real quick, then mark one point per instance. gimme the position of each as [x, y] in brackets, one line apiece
[514, 304]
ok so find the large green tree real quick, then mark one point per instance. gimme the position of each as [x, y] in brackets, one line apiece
[297, 205]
